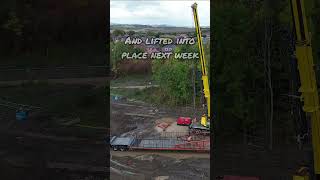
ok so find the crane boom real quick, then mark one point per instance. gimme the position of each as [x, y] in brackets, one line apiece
[308, 87]
[205, 120]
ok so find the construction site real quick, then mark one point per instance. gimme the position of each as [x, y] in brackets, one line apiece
[265, 113]
[247, 107]
[47, 130]
[149, 140]
[159, 153]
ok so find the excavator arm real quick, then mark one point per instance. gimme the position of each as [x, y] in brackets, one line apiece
[308, 89]
[205, 119]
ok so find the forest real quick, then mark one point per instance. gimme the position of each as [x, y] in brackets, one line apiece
[254, 73]
[53, 32]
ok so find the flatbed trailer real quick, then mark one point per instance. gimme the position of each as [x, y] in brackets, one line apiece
[169, 144]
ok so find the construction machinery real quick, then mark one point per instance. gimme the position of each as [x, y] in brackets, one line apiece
[132, 143]
[308, 89]
[22, 110]
[204, 125]
[205, 119]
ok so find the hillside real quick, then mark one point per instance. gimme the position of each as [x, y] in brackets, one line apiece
[157, 28]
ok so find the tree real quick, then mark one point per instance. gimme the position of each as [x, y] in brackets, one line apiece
[158, 34]
[118, 32]
[131, 33]
[33, 27]
[14, 24]
[117, 49]
[235, 71]
[151, 33]
[174, 79]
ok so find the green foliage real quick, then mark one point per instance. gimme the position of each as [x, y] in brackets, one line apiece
[241, 96]
[175, 76]
[174, 79]
[118, 32]
[158, 34]
[285, 14]
[207, 55]
[131, 33]
[152, 34]
[117, 49]
[186, 48]
[30, 30]
[14, 24]
[235, 67]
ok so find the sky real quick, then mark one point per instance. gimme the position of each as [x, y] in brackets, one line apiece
[155, 12]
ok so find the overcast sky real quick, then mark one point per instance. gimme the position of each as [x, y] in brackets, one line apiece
[153, 12]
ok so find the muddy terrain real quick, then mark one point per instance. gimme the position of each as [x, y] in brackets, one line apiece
[231, 155]
[142, 119]
[60, 140]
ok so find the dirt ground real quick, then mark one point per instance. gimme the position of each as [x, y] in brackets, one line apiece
[230, 158]
[141, 119]
[50, 145]
[152, 166]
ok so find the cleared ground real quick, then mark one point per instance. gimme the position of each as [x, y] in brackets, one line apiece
[141, 119]
[57, 141]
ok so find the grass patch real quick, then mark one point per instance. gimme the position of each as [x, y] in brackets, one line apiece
[152, 95]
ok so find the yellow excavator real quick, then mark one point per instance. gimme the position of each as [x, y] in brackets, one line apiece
[308, 89]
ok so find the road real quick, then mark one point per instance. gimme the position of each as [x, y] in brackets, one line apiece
[134, 87]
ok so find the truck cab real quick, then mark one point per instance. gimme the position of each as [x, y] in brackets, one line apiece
[121, 143]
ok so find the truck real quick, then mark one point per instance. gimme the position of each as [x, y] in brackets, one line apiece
[158, 144]
[196, 128]
[121, 143]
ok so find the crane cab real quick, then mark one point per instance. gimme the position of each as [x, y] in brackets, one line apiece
[204, 120]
